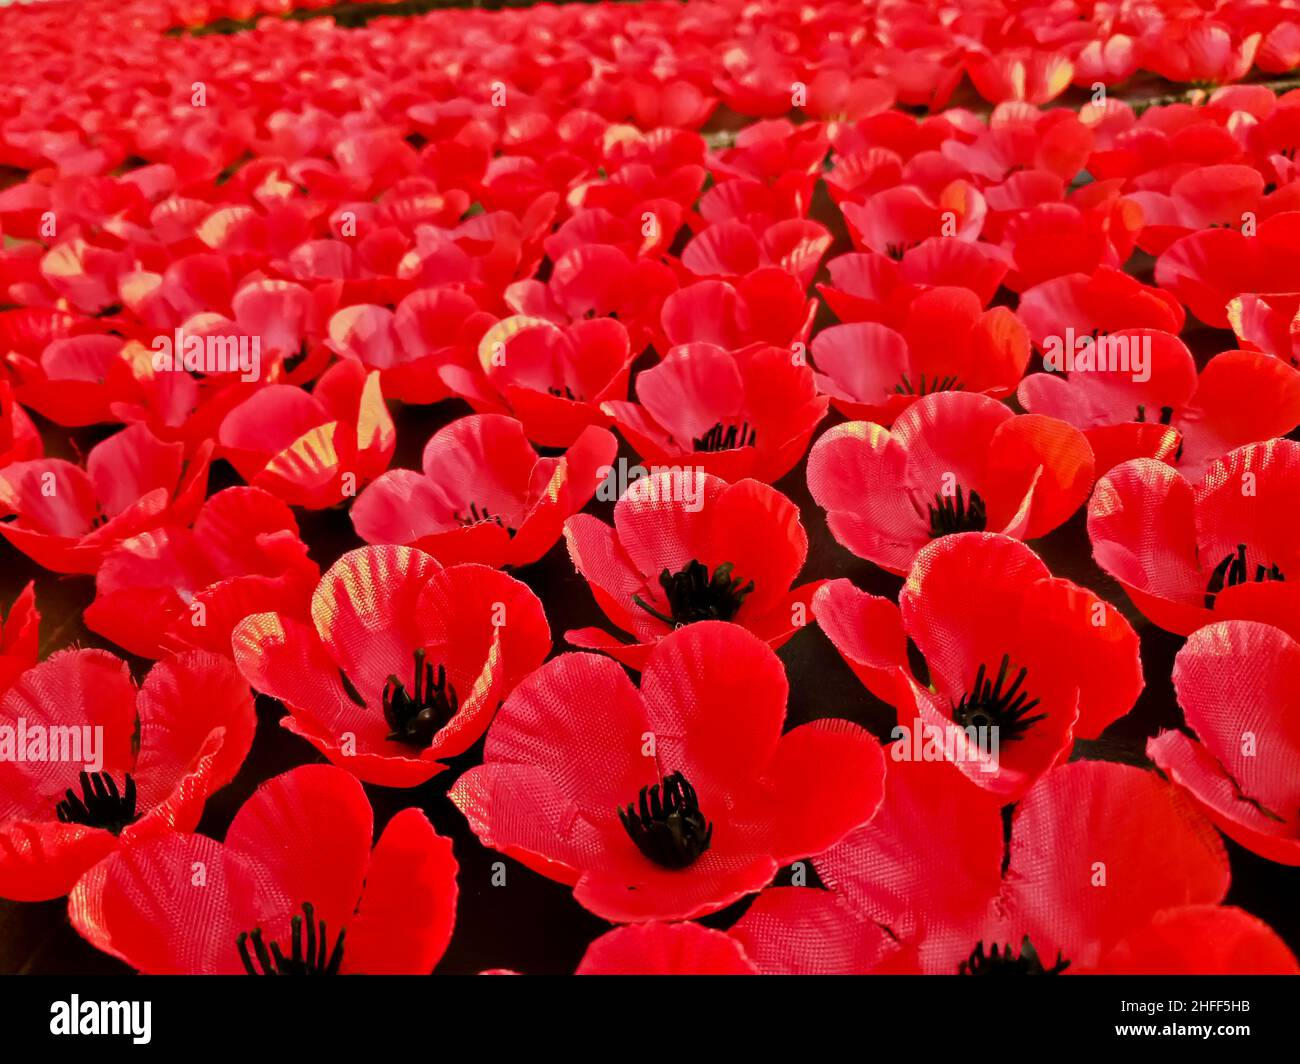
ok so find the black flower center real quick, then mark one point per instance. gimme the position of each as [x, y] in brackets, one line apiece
[1003, 961]
[1233, 570]
[101, 804]
[988, 705]
[417, 715]
[563, 392]
[695, 596]
[312, 957]
[928, 387]
[477, 515]
[953, 513]
[1166, 414]
[723, 437]
[666, 824]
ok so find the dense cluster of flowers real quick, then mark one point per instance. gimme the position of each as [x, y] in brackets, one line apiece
[772, 252]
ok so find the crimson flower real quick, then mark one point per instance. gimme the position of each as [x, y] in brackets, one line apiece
[1098, 852]
[952, 462]
[868, 286]
[1041, 661]
[1239, 397]
[429, 329]
[675, 800]
[901, 218]
[295, 889]
[1101, 302]
[174, 587]
[312, 449]
[732, 249]
[1220, 549]
[404, 662]
[1030, 75]
[688, 547]
[67, 519]
[1239, 685]
[945, 342]
[598, 280]
[128, 765]
[1207, 269]
[484, 495]
[767, 306]
[743, 413]
[553, 378]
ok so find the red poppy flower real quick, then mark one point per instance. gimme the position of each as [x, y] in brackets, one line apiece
[1209, 268]
[484, 494]
[1104, 301]
[898, 219]
[1097, 850]
[19, 637]
[687, 547]
[312, 449]
[554, 379]
[1239, 685]
[1025, 666]
[673, 801]
[19, 439]
[295, 889]
[1220, 549]
[77, 380]
[1199, 51]
[1200, 940]
[953, 462]
[745, 413]
[404, 661]
[173, 588]
[1240, 397]
[729, 250]
[429, 329]
[767, 306]
[945, 343]
[1022, 74]
[1210, 196]
[1269, 323]
[598, 280]
[129, 764]
[66, 518]
[872, 287]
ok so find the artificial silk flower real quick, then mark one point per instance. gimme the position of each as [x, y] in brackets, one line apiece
[674, 800]
[295, 889]
[131, 763]
[688, 547]
[402, 663]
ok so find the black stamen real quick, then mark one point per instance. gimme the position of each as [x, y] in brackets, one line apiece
[477, 515]
[950, 513]
[986, 705]
[416, 717]
[726, 438]
[564, 392]
[312, 961]
[668, 827]
[1004, 962]
[693, 596]
[1233, 570]
[100, 804]
[935, 384]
